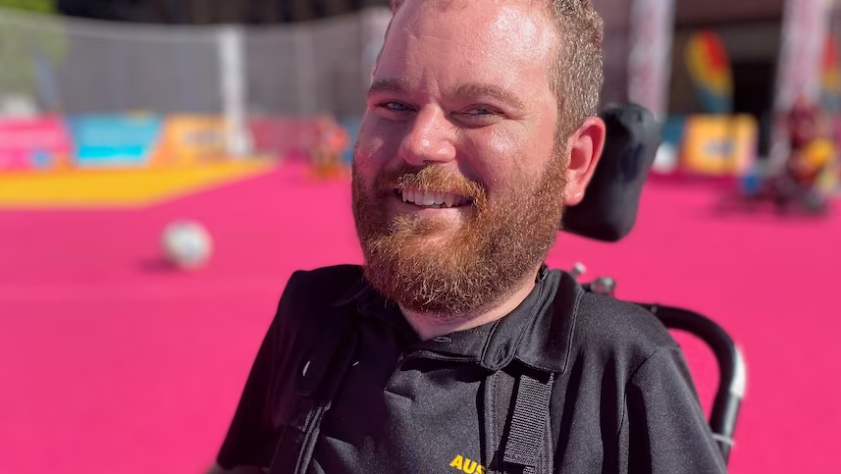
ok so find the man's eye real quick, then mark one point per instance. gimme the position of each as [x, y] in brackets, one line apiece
[397, 106]
[479, 111]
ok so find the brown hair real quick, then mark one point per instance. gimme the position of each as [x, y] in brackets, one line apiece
[577, 76]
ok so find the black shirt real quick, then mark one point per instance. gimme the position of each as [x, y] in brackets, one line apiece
[381, 408]
[623, 401]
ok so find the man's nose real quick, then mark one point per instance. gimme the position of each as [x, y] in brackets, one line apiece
[430, 139]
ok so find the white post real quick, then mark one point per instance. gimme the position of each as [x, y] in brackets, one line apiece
[306, 74]
[232, 74]
[805, 25]
[374, 25]
[649, 65]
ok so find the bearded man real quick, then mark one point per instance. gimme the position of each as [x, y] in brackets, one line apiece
[454, 348]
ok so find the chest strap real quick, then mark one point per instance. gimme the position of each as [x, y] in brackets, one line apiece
[529, 424]
[527, 440]
[319, 381]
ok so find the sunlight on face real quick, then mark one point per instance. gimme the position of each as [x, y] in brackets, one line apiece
[457, 178]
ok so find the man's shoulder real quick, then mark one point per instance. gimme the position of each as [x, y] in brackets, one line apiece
[333, 280]
[616, 328]
[313, 300]
[324, 288]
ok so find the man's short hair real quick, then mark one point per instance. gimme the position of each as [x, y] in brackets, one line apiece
[577, 75]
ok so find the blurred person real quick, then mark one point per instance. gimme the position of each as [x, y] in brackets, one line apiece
[454, 348]
[803, 123]
[805, 128]
[331, 141]
[812, 152]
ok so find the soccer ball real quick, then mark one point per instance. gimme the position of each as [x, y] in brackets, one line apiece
[186, 244]
[666, 161]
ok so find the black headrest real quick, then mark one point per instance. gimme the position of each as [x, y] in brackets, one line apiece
[609, 208]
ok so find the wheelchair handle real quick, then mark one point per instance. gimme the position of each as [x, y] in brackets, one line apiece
[732, 369]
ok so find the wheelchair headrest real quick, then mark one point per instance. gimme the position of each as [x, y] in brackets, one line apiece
[609, 208]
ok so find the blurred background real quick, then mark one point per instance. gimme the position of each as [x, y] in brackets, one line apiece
[165, 165]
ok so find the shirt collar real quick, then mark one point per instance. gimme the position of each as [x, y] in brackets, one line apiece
[538, 333]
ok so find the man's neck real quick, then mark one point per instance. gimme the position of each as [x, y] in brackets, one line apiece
[429, 326]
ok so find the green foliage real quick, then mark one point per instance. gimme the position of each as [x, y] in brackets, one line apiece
[40, 6]
[26, 40]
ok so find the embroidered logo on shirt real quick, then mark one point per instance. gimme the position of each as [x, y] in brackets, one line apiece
[464, 464]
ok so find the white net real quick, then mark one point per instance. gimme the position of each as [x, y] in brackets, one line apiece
[64, 66]
[78, 66]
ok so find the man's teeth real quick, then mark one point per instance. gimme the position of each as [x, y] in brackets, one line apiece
[432, 199]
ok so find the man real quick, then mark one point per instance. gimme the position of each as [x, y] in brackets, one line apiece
[811, 155]
[331, 141]
[454, 349]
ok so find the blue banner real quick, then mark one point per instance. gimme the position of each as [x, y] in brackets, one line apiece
[114, 140]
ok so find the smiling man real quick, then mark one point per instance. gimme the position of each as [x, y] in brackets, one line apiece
[454, 349]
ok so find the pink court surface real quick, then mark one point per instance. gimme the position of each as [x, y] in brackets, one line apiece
[112, 363]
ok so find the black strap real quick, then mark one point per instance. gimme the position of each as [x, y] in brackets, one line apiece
[342, 363]
[492, 417]
[333, 355]
[328, 351]
[528, 429]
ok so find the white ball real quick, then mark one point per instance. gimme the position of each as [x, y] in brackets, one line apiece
[186, 244]
[667, 159]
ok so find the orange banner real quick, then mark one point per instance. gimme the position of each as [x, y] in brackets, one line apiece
[188, 139]
[716, 145]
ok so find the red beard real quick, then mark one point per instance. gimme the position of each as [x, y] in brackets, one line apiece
[493, 249]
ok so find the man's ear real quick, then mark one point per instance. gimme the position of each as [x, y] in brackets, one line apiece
[585, 147]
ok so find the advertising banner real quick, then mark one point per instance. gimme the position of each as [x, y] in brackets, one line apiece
[38, 143]
[715, 145]
[188, 139]
[114, 140]
[284, 137]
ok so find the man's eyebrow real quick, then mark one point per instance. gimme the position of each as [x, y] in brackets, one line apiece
[476, 90]
[468, 90]
[395, 84]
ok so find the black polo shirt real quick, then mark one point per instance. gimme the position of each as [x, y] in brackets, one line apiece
[622, 402]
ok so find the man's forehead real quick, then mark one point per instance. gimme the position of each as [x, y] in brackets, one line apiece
[519, 24]
[492, 35]
[439, 4]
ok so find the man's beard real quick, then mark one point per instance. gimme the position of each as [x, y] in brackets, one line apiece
[493, 249]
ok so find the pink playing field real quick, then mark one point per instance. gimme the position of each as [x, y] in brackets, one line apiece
[112, 363]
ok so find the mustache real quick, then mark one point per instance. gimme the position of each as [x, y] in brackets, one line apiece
[430, 178]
